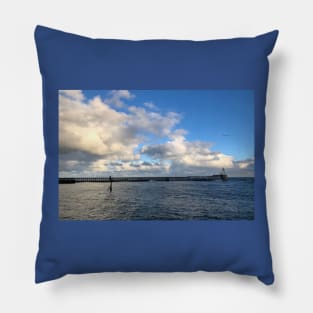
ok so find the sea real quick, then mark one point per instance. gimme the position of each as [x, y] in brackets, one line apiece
[159, 200]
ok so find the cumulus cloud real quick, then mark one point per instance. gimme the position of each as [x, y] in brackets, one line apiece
[245, 164]
[117, 96]
[73, 94]
[152, 122]
[188, 156]
[107, 137]
[93, 135]
[151, 106]
[94, 128]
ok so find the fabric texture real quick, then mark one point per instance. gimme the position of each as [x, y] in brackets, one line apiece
[72, 62]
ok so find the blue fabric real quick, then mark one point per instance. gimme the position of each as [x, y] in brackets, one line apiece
[69, 61]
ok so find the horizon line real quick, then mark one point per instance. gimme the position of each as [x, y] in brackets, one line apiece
[107, 176]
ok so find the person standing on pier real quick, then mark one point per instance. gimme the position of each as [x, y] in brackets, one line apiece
[110, 187]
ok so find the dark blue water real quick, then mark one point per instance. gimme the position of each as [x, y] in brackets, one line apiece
[174, 200]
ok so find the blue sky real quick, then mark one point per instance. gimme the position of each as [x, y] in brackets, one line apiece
[223, 117]
[156, 132]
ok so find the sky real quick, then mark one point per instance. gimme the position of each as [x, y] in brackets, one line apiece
[156, 132]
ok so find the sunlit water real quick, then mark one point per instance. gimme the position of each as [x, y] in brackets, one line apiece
[174, 200]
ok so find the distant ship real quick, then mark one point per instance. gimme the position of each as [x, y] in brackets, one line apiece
[223, 175]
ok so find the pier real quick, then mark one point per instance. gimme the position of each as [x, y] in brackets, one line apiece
[73, 180]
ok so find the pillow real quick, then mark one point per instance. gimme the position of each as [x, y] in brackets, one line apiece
[154, 155]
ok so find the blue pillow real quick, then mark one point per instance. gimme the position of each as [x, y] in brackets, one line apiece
[154, 155]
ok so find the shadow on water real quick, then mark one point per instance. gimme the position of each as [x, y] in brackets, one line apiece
[107, 195]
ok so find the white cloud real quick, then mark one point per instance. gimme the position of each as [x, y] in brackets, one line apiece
[131, 168]
[94, 128]
[95, 138]
[188, 155]
[151, 106]
[117, 96]
[152, 122]
[245, 164]
[73, 94]
[97, 130]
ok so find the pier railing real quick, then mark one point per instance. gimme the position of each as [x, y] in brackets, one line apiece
[73, 180]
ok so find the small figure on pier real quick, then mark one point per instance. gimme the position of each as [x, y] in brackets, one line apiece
[110, 187]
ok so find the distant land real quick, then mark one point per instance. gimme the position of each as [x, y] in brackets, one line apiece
[71, 180]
